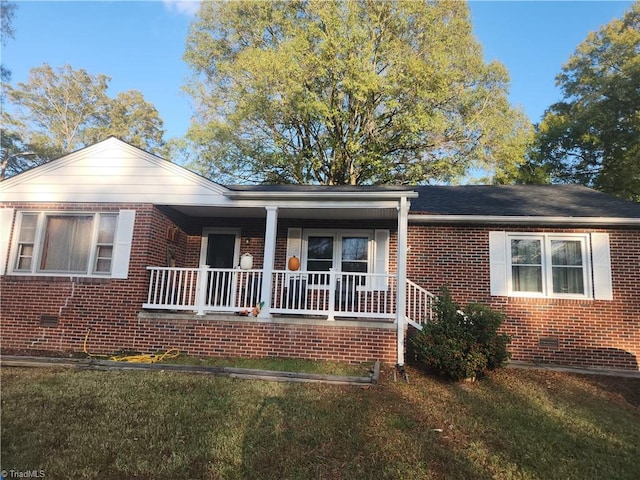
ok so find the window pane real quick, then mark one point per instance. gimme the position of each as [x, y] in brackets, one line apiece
[527, 279]
[107, 228]
[526, 265]
[25, 254]
[67, 243]
[568, 280]
[359, 267]
[355, 248]
[28, 228]
[567, 271]
[564, 252]
[320, 248]
[103, 259]
[526, 252]
[319, 265]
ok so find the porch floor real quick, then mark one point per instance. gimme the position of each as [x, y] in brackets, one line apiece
[287, 319]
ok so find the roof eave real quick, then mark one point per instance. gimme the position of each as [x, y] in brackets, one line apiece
[315, 195]
[521, 220]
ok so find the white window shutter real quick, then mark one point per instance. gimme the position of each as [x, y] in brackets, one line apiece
[122, 244]
[6, 220]
[601, 255]
[294, 243]
[498, 263]
[381, 259]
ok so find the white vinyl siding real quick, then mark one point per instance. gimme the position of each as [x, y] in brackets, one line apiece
[550, 265]
[79, 244]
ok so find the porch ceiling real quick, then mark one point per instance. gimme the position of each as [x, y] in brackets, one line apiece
[317, 211]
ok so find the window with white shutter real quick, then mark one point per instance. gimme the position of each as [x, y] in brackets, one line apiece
[79, 244]
[553, 265]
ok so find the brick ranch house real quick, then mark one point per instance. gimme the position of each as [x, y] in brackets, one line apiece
[144, 255]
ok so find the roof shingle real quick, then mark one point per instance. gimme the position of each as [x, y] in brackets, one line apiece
[521, 200]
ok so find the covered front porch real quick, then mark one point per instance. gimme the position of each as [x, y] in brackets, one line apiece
[328, 295]
[349, 247]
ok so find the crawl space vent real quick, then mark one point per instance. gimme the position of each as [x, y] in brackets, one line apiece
[549, 342]
[48, 320]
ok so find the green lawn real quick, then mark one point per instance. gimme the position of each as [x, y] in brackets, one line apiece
[514, 424]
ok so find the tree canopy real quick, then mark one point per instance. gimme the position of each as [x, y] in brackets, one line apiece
[7, 12]
[61, 110]
[592, 136]
[349, 92]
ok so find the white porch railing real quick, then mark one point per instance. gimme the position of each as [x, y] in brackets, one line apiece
[330, 294]
[366, 295]
[420, 303]
[203, 289]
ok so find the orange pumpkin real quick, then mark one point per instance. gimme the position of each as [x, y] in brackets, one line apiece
[293, 263]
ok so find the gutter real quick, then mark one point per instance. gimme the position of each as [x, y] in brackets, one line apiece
[521, 220]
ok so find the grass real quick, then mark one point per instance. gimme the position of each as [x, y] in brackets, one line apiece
[277, 364]
[514, 424]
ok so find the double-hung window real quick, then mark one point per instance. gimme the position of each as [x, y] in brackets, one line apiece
[561, 265]
[347, 252]
[549, 265]
[83, 244]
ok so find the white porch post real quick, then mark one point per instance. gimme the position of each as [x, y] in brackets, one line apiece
[401, 301]
[269, 259]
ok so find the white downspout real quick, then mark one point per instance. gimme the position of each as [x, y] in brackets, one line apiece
[401, 302]
[269, 260]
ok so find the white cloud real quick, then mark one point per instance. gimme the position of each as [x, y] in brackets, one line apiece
[183, 7]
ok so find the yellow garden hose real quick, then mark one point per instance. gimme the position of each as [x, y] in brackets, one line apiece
[141, 358]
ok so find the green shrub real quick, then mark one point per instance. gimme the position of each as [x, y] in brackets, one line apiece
[460, 344]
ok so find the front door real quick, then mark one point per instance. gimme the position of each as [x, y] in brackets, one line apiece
[220, 251]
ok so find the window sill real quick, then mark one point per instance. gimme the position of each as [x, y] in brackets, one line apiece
[51, 278]
[549, 297]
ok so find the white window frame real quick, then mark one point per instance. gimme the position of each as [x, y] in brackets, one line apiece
[41, 224]
[337, 236]
[547, 267]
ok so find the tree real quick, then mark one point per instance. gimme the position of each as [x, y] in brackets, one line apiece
[132, 119]
[7, 12]
[57, 107]
[61, 110]
[592, 137]
[351, 92]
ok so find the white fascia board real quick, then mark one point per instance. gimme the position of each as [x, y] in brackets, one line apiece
[319, 203]
[524, 220]
[315, 195]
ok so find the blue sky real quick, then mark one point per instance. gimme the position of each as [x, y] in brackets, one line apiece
[140, 45]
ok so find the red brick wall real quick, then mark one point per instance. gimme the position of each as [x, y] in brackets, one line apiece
[108, 305]
[228, 337]
[108, 308]
[588, 332]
